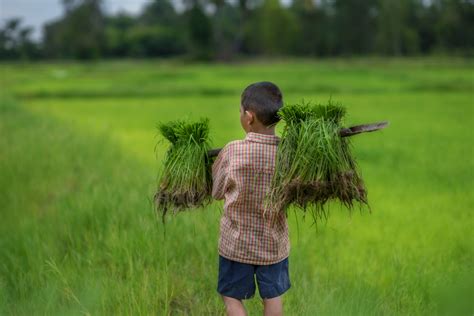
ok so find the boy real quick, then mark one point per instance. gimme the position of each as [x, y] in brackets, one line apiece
[251, 243]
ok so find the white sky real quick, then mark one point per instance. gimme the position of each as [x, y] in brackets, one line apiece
[36, 12]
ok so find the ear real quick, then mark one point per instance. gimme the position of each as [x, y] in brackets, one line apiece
[250, 117]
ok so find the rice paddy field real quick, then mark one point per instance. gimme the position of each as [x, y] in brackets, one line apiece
[78, 170]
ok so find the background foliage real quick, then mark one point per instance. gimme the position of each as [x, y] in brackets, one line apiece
[224, 30]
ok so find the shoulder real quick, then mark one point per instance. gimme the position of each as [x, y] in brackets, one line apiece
[230, 150]
[227, 150]
[234, 144]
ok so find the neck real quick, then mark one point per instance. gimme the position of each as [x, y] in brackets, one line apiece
[266, 130]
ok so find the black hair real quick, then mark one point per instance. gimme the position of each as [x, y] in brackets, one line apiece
[264, 99]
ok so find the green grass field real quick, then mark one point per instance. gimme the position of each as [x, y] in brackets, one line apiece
[78, 233]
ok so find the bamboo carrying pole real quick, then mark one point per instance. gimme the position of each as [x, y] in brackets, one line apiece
[344, 132]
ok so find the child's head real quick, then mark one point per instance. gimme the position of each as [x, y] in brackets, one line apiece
[259, 106]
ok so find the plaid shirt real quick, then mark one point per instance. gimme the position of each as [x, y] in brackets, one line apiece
[241, 175]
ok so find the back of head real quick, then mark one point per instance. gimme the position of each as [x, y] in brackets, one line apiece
[264, 99]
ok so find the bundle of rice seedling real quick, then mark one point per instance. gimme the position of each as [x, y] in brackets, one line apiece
[314, 164]
[185, 181]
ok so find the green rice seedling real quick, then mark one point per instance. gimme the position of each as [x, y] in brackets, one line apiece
[185, 181]
[314, 164]
[293, 115]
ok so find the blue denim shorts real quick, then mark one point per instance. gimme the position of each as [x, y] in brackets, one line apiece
[237, 279]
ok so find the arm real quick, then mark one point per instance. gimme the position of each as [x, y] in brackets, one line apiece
[219, 174]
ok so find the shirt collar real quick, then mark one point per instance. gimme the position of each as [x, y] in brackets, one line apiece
[262, 138]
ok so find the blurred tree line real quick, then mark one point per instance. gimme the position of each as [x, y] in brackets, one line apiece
[224, 29]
